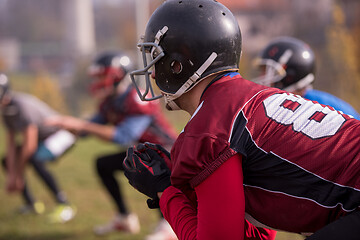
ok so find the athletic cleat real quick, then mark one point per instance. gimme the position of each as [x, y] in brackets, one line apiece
[62, 213]
[120, 223]
[163, 231]
[36, 208]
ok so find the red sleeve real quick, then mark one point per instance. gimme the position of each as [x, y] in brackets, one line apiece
[221, 207]
[179, 212]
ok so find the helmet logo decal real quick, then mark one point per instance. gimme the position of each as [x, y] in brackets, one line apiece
[273, 51]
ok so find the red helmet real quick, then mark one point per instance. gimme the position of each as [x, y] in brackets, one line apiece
[109, 69]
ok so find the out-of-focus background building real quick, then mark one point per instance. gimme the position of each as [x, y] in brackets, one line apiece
[56, 40]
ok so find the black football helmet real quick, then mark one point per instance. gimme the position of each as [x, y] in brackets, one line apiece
[108, 70]
[186, 41]
[4, 85]
[287, 63]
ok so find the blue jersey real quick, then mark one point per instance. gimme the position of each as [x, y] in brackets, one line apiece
[330, 100]
[135, 120]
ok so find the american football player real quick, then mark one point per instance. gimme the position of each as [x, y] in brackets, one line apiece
[289, 64]
[125, 120]
[23, 116]
[249, 151]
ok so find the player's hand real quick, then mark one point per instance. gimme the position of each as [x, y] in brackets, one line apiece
[147, 171]
[14, 183]
[161, 153]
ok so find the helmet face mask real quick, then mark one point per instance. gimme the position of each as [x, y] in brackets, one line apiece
[107, 71]
[289, 65]
[151, 53]
[185, 45]
[271, 72]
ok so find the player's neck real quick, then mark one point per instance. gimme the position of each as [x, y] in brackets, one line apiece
[190, 101]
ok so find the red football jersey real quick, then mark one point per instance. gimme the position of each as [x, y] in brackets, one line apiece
[115, 109]
[301, 160]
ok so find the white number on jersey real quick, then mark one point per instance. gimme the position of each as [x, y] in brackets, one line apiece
[307, 117]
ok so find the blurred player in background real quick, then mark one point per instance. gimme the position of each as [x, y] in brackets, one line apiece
[124, 119]
[23, 117]
[289, 64]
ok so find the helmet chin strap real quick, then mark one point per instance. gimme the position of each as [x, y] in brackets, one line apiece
[170, 104]
[189, 84]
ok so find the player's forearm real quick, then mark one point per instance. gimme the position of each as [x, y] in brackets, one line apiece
[10, 154]
[102, 131]
[179, 212]
[220, 206]
[27, 150]
[10, 164]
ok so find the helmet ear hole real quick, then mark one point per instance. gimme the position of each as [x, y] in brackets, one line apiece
[176, 67]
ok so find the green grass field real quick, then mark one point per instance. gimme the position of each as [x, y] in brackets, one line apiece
[76, 174]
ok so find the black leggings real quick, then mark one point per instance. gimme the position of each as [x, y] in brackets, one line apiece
[347, 227]
[106, 167]
[46, 177]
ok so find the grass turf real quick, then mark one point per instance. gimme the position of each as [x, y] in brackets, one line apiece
[76, 174]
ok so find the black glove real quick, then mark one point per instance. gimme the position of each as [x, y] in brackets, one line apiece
[160, 153]
[147, 171]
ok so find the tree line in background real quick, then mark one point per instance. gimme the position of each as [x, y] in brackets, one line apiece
[343, 51]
